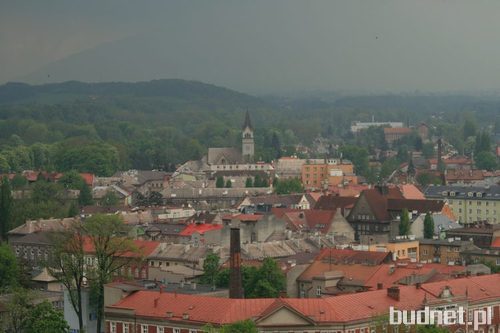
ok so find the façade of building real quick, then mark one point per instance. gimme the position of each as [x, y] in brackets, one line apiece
[161, 312]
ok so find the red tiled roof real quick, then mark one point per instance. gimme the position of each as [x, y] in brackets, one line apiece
[332, 202]
[88, 178]
[397, 130]
[496, 242]
[421, 206]
[144, 248]
[199, 228]
[410, 191]
[378, 201]
[343, 308]
[311, 219]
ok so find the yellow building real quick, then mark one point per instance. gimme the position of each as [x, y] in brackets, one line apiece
[403, 248]
[469, 203]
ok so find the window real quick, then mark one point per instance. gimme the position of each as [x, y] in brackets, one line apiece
[126, 328]
[193, 331]
[113, 327]
[318, 291]
[160, 329]
[177, 330]
[144, 328]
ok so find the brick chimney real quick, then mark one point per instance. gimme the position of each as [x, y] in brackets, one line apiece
[235, 282]
[393, 292]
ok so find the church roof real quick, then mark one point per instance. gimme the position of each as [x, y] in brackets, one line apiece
[247, 122]
[229, 154]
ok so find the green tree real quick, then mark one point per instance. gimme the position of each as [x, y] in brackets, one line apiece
[85, 197]
[5, 208]
[67, 265]
[245, 326]
[19, 181]
[73, 210]
[108, 236]
[211, 268]
[470, 127]
[43, 318]
[426, 178]
[358, 156]
[249, 182]
[110, 199]
[485, 161]
[257, 181]
[269, 280]
[404, 223]
[9, 268]
[219, 183]
[428, 226]
[72, 180]
[229, 184]
[428, 150]
[288, 186]
[18, 308]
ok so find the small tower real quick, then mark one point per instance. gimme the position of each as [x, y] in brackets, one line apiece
[247, 142]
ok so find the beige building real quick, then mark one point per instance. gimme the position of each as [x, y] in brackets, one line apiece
[470, 203]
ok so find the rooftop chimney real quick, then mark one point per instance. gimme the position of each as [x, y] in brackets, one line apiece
[235, 282]
[380, 286]
[393, 292]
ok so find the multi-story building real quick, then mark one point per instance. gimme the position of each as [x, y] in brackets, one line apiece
[446, 251]
[357, 126]
[395, 134]
[319, 174]
[482, 235]
[470, 203]
[148, 311]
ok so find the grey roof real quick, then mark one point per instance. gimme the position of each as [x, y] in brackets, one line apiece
[443, 222]
[274, 199]
[231, 155]
[179, 252]
[464, 192]
[35, 238]
[166, 229]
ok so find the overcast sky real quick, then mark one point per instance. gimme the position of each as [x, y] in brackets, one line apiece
[258, 46]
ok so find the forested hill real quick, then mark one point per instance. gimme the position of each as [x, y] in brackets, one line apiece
[192, 91]
[103, 127]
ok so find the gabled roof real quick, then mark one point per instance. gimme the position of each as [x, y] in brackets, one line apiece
[144, 248]
[332, 202]
[274, 199]
[199, 228]
[421, 206]
[310, 219]
[410, 191]
[339, 309]
[230, 154]
[244, 217]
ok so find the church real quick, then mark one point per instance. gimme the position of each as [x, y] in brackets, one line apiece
[231, 155]
[229, 161]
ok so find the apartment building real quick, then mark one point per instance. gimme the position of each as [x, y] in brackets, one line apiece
[469, 203]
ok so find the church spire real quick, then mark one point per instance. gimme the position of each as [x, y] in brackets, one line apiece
[247, 122]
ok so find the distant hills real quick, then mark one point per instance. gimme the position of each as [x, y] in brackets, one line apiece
[174, 89]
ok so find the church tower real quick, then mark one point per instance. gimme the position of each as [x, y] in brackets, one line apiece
[247, 142]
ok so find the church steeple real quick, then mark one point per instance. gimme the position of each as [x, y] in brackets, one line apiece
[247, 122]
[247, 141]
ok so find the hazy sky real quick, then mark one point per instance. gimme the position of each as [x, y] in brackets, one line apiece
[258, 46]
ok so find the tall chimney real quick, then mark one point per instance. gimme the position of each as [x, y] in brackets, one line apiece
[235, 283]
